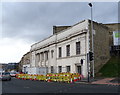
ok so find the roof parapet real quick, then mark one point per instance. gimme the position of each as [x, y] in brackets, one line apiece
[57, 29]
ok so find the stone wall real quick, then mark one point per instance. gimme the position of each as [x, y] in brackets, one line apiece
[101, 45]
[57, 29]
[24, 60]
[112, 27]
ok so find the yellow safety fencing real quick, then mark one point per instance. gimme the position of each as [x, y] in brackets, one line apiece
[55, 77]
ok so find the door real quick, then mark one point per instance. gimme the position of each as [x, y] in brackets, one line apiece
[59, 69]
[79, 69]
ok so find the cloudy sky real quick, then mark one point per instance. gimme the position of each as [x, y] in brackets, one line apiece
[25, 23]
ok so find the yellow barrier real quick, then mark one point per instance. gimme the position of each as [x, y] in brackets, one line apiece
[56, 77]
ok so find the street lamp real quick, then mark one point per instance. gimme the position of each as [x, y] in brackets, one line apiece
[90, 4]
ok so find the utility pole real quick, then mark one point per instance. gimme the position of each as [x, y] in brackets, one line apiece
[88, 68]
[90, 4]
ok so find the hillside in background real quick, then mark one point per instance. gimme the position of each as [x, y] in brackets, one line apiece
[111, 68]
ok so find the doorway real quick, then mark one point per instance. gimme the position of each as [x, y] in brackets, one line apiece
[79, 69]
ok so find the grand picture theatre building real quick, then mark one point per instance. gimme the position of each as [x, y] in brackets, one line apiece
[62, 51]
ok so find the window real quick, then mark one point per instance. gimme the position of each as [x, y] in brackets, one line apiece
[60, 52]
[68, 50]
[46, 55]
[42, 56]
[77, 47]
[79, 69]
[52, 70]
[37, 58]
[52, 51]
[59, 69]
[68, 68]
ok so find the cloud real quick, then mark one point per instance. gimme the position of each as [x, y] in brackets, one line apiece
[106, 12]
[12, 49]
[35, 19]
[25, 23]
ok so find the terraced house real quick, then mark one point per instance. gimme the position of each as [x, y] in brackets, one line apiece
[63, 51]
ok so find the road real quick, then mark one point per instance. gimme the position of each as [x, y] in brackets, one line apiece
[28, 86]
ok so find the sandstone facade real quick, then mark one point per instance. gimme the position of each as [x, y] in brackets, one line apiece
[52, 51]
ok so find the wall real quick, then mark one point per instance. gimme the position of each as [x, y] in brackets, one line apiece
[101, 45]
[25, 60]
[71, 35]
[61, 35]
[57, 29]
[73, 59]
[112, 27]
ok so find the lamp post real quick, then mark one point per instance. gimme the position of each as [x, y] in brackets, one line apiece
[90, 4]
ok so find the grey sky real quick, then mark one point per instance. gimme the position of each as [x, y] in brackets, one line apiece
[32, 22]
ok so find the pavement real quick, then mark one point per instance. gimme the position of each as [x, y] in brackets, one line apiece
[107, 81]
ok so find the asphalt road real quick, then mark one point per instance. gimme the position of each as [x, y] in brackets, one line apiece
[28, 86]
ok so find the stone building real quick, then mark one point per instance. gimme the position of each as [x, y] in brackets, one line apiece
[25, 61]
[62, 51]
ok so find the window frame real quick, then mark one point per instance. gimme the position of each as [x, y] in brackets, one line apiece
[60, 52]
[68, 50]
[59, 69]
[78, 48]
[52, 53]
[42, 56]
[52, 69]
[68, 68]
